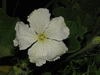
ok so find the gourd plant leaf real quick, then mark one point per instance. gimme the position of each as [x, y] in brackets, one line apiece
[89, 6]
[46, 73]
[82, 30]
[6, 70]
[7, 34]
[73, 43]
[64, 12]
[88, 22]
[92, 69]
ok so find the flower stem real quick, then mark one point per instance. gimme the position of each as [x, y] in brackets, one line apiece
[89, 46]
[49, 4]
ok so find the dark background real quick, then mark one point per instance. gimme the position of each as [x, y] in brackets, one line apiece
[22, 8]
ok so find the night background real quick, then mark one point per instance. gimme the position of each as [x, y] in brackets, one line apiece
[22, 8]
[82, 17]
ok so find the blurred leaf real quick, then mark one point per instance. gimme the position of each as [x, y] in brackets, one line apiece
[64, 12]
[69, 13]
[66, 3]
[98, 72]
[66, 70]
[97, 60]
[73, 28]
[74, 1]
[3, 73]
[81, 62]
[5, 51]
[82, 30]
[76, 7]
[90, 6]
[92, 69]
[7, 33]
[71, 64]
[5, 70]
[88, 22]
[97, 25]
[55, 4]
[73, 43]
[76, 11]
[97, 12]
[47, 73]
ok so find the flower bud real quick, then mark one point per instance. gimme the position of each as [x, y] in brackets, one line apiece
[96, 40]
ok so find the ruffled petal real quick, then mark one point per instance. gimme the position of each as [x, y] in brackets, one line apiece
[36, 54]
[53, 50]
[57, 29]
[25, 36]
[39, 19]
[15, 42]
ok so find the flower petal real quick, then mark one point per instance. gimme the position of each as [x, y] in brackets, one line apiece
[39, 19]
[36, 54]
[15, 42]
[25, 36]
[53, 50]
[57, 29]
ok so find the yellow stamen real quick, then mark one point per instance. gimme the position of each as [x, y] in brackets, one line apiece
[42, 37]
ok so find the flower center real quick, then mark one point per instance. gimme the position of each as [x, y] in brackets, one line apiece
[42, 37]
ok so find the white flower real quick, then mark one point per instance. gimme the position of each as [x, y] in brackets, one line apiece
[46, 35]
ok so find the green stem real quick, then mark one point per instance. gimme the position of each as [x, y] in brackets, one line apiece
[15, 8]
[49, 4]
[4, 5]
[89, 46]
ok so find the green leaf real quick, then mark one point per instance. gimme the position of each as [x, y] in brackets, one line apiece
[5, 70]
[73, 28]
[75, 31]
[73, 43]
[97, 60]
[82, 30]
[68, 13]
[47, 73]
[5, 51]
[66, 3]
[64, 12]
[88, 22]
[97, 11]
[7, 34]
[98, 72]
[74, 1]
[93, 69]
[90, 6]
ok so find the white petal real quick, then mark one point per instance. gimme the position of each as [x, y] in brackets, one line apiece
[36, 54]
[53, 50]
[39, 19]
[25, 36]
[15, 42]
[57, 29]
